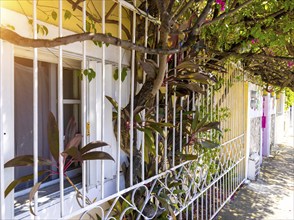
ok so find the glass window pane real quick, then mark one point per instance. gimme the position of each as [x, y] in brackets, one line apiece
[71, 84]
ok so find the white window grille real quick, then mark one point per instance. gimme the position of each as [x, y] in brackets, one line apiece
[202, 194]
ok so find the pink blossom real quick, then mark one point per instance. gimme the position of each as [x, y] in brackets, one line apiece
[290, 63]
[221, 3]
[254, 41]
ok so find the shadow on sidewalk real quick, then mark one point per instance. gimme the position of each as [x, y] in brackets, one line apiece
[271, 196]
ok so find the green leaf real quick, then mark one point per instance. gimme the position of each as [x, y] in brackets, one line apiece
[187, 65]
[189, 156]
[97, 43]
[146, 151]
[74, 153]
[179, 191]
[86, 72]
[67, 14]
[91, 74]
[201, 123]
[194, 87]
[197, 77]
[157, 128]
[209, 126]
[53, 136]
[38, 28]
[113, 102]
[124, 74]
[79, 73]
[32, 194]
[11, 27]
[75, 141]
[174, 184]
[26, 160]
[208, 144]
[162, 124]
[22, 179]
[88, 26]
[97, 155]
[93, 145]
[45, 29]
[115, 74]
[54, 15]
[195, 121]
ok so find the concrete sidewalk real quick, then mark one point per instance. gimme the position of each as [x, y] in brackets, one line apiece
[272, 195]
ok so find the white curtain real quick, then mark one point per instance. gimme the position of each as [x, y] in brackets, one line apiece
[23, 78]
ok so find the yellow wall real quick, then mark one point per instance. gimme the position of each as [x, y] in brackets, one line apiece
[47, 7]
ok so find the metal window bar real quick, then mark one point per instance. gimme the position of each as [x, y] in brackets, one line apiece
[193, 115]
[165, 120]
[132, 96]
[60, 110]
[210, 200]
[157, 115]
[103, 97]
[35, 106]
[144, 112]
[187, 136]
[84, 105]
[187, 146]
[174, 113]
[181, 124]
[197, 208]
[192, 210]
[156, 134]
[2, 189]
[119, 99]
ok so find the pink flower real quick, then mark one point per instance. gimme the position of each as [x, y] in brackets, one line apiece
[290, 64]
[254, 41]
[221, 3]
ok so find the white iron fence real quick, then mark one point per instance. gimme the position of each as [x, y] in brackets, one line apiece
[164, 173]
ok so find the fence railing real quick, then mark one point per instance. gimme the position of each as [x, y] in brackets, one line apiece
[164, 173]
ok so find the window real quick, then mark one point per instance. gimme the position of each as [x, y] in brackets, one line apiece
[47, 101]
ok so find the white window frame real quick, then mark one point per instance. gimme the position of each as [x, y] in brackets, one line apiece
[53, 109]
[14, 51]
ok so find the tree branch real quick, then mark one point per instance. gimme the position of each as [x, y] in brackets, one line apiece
[250, 55]
[280, 58]
[196, 27]
[184, 9]
[170, 5]
[224, 15]
[160, 6]
[202, 17]
[99, 20]
[275, 14]
[110, 10]
[16, 39]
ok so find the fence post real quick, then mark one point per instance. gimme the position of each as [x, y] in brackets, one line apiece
[247, 126]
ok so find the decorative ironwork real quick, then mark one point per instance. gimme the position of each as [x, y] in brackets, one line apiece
[175, 191]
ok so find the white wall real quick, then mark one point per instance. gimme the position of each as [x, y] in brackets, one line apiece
[72, 51]
[257, 110]
[72, 54]
[7, 120]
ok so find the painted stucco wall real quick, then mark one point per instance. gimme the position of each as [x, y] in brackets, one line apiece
[272, 131]
[255, 107]
[255, 135]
